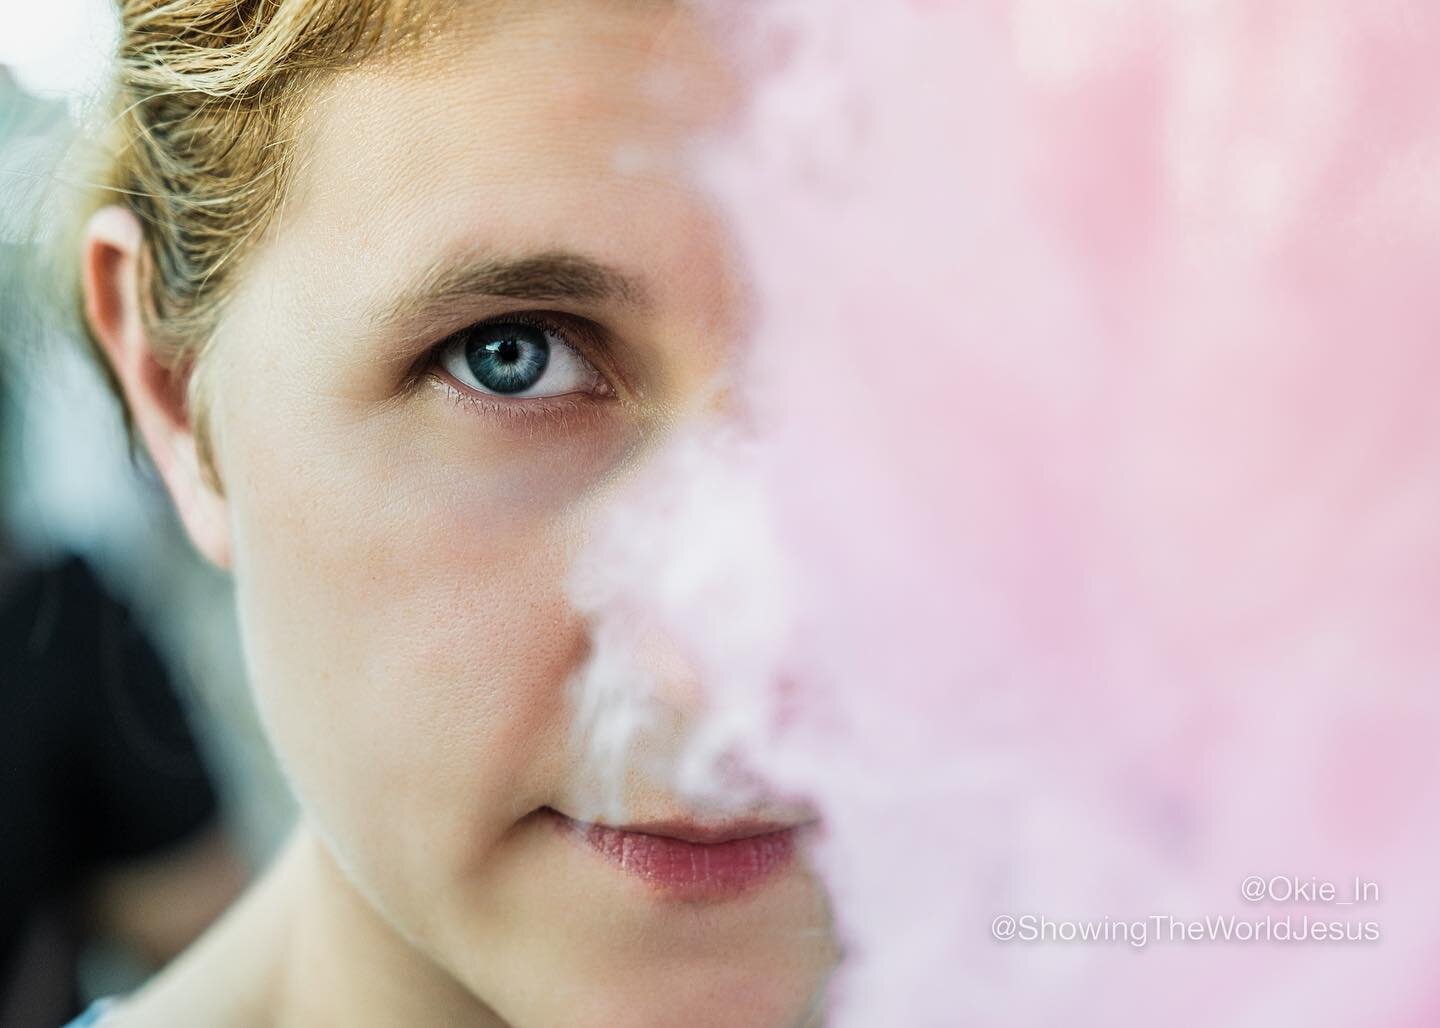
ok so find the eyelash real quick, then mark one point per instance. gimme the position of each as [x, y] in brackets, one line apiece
[578, 335]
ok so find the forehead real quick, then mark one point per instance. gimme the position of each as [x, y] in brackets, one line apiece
[537, 126]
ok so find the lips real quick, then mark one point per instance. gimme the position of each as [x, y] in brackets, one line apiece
[689, 859]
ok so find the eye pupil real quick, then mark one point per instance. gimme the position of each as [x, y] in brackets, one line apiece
[508, 358]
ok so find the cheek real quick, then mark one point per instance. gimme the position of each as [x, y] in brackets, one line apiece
[401, 593]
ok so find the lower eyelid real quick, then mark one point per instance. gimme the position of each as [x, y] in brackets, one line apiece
[533, 409]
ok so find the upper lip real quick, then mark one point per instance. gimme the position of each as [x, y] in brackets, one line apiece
[705, 833]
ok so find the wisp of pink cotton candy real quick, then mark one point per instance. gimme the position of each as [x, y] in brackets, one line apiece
[1080, 560]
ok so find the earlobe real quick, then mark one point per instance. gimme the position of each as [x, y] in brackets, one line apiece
[154, 388]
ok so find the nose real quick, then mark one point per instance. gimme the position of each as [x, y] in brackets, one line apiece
[675, 681]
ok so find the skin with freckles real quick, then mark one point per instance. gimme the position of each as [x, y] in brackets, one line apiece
[399, 531]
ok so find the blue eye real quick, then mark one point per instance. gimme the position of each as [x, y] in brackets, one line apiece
[517, 359]
[508, 358]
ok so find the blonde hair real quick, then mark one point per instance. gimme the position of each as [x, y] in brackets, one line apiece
[198, 145]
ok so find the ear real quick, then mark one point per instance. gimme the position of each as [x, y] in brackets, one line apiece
[154, 393]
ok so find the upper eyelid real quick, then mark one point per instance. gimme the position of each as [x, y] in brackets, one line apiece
[561, 324]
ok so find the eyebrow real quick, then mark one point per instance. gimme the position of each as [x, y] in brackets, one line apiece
[551, 277]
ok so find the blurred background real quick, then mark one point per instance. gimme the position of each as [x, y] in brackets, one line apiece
[137, 795]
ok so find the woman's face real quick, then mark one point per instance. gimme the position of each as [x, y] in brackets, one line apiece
[401, 511]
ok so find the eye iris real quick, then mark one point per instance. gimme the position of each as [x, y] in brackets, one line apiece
[508, 358]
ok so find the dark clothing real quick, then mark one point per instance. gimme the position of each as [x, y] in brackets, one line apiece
[97, 764]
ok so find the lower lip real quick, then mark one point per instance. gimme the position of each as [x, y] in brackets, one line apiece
[692, 870]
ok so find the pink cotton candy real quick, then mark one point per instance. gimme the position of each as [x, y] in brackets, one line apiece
[1079, 555]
